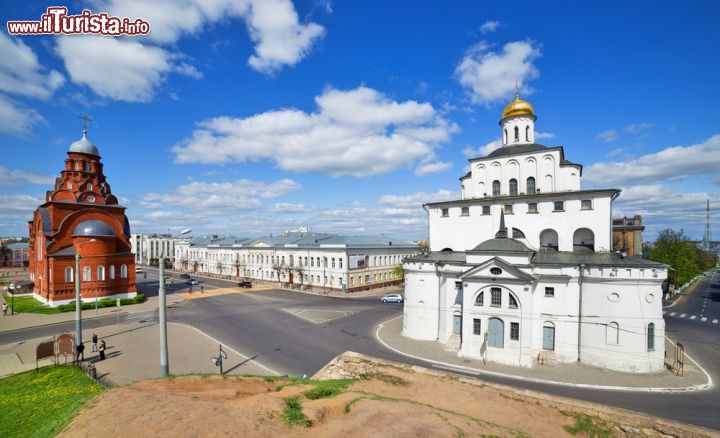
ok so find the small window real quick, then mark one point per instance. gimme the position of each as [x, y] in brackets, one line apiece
[69, 275]
[549, 291]
[465, 211]
[612, 333]
[559, 206]
[112, 272]
[496, 297]
[527, 133]
[480, 299]
[69, 185]
[101, 273]
[89, 187]
[517, 234]
[486, 210]
[513, 187]
[530, 185]
[123, 271]
[495, 271]
[477, 326]
[586, 204]
[512, 302]
[86, 273]
[496, 188]
[651, 337]
[532, 207]
[445, 212]
[517, 134]
[514, 331]
[508, 209]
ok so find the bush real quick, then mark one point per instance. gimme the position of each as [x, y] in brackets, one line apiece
[105, 302]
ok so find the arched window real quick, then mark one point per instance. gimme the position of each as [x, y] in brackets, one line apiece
[89, 187]
[480, 299]
[527, 133]
[112, 272]
[512, 302]
[123, 271]
[86, 273]
[517, 134]
[517, 234]
[651, 337]
[496, 188]
[505, 139]
[101, 273]
[530, 185]
[584, 237]
[69, 185]
[612, 333]
[549, 239]
[69, 275]
[513, 187]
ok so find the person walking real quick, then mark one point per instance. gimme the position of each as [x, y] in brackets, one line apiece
[4, 306]
[102, 349]
[94, 343]
[80, 352]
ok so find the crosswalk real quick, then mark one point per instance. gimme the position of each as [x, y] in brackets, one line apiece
[141, 317]
[691, 317]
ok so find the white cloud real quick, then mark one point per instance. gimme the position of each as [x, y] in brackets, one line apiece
[616, 151]
[357, 132]
[484, 150]
[673, 163]
[285, 207]
[126, 70]
[609, 135]
[489, 26]
[417, 199]
[540, 135]
[14, 178]
[490, 76]
[433, 167]
[21, 73]
[635, 128]
[17, 119]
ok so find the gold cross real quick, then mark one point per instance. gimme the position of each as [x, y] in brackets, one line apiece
[517, 89]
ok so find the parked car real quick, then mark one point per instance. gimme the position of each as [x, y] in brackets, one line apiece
[138, 270]
[244, 283]
[192, 282]
[184, 275]
[392, 298]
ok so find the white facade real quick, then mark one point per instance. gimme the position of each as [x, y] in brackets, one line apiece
[149, 248]
[520, 273]
[300, 259]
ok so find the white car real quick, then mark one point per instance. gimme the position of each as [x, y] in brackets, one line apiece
[138, 270]
[392, 298]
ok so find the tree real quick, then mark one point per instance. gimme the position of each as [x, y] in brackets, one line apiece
[300, 269]
[219, 267]
[676, 249]
[278, 268]
[398, 272]
[184, 263]
[238, 265]
[195, 266]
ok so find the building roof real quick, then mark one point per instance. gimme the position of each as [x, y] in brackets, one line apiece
[518, 107]
[590, 258]
[94, 228]
[67, 251]
[84, 146]
[526, 148]
[496, 199]
[502, 244]
[18, 245]
[438, 257]
[305, 240]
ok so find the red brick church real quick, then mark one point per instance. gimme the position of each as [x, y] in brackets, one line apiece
[81, 215]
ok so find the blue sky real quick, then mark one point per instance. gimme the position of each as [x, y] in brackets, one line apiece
[249, 117]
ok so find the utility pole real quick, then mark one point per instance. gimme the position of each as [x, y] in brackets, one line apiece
[78, 303]
[164, 367]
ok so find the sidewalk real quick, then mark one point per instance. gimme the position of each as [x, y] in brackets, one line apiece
[133, 353]
[25, 320]
[389, 334]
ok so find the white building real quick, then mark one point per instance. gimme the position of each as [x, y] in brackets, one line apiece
[300, 259]
[519, 269]
[149, 248]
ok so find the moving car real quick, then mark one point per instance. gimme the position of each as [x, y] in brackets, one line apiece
[244, 283]
[184, 275]
[192, 282]
[392, 298]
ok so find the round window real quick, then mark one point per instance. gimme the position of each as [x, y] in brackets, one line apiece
[91, 198]
[495, 271]
[614, 297]
[649, 298]
[421, 283]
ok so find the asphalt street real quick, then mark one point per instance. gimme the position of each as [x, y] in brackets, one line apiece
[294, 333]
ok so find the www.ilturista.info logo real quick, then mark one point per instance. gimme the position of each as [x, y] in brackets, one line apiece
[57, 21]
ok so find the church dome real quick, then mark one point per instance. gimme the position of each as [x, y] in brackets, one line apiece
[518, 107]
[94, 228]
[84, 146]
[502, 244]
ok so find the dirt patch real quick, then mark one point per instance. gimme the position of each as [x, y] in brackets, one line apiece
[381, 400]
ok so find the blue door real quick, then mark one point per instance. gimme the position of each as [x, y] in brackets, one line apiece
[457, 324]
[496, 333]
[548, 338]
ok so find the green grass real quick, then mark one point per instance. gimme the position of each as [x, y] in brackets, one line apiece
[293, 413]
[41, 403]
[586, 425]
[327, 388]
[28, 304]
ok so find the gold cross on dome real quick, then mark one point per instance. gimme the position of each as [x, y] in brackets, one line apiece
[517, 88]
[85, 119]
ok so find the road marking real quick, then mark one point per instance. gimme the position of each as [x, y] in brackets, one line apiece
[142, 316]
[672, 313]
[692, 317]
[715, 321]
[703, 319]
[683, 315]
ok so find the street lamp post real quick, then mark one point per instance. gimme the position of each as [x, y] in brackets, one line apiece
[78, 303]
[164, 363]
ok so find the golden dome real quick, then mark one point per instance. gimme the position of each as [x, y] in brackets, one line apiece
[518, 107]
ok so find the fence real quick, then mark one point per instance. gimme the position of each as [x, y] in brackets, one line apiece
[92, 372]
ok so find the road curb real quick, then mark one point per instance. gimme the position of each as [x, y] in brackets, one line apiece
[694, 388]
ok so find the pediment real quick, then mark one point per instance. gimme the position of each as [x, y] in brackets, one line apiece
[259, 244]
[508, 271]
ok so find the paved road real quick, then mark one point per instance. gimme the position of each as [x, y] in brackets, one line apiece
[295, 333]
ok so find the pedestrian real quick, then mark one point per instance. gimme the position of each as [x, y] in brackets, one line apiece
[201, 289]
[4, 308]
[190, 290]
[94, 343]
[102, 349]
[80, 349]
